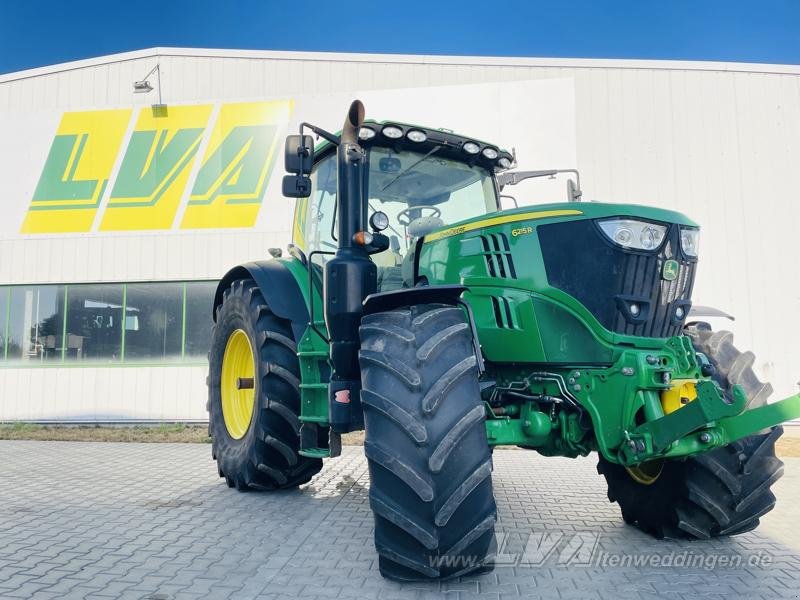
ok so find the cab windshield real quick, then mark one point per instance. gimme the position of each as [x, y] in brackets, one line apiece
[420, 193]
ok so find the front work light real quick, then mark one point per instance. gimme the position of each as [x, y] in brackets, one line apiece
[379, 221]
[636, 235]
[690, 241]
[392, 132]
[470, 147]
[490, 153]
[415, 135]
[366, 133]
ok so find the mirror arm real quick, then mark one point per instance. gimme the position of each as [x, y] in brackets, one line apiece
[578, 191]
[515, 177]
[514, 200]
[333, 139]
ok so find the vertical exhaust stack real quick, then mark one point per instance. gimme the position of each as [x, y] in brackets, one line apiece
[350, 276]
[350, 187]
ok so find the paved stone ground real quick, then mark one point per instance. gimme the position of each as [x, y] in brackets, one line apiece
[94, 520]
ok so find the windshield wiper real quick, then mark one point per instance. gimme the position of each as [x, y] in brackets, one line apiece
[408, 168]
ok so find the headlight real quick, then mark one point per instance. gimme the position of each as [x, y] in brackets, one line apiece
[392, 132]
[628, 233]
[366, 133]
[690, 241]
[415, 135]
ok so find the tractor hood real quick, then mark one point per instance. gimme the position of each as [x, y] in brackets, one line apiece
[626, 268]
[562, 211]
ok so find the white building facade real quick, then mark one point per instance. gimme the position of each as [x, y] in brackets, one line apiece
[118, 216]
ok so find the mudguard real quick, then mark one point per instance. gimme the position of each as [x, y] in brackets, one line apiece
[445, 294]
[279, 287]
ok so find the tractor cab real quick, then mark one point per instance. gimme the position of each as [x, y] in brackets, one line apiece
[417, 181]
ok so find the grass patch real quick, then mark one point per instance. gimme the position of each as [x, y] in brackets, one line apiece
[161, 433]
[21, 428]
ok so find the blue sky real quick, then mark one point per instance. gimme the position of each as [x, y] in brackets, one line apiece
[41, 32]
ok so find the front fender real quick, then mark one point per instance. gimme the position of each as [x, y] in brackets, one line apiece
[444, 294]
[284, 284]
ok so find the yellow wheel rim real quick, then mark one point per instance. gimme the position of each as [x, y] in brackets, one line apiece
[682, 392]
[646, 473]
[237, 384]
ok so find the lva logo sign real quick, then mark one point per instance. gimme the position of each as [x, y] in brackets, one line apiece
[102, 175]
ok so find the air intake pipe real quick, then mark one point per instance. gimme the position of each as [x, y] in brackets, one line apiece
[350, 276]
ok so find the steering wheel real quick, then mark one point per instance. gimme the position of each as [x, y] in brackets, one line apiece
[406, 212]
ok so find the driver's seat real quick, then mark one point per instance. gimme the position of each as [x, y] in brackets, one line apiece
[389, 278]
[388, 262]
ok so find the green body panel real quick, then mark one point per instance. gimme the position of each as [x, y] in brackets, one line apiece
[564, 329]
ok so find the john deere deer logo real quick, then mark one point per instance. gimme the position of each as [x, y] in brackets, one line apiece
[670, 270]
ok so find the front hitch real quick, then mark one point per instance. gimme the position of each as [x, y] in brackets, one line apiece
[708, 422]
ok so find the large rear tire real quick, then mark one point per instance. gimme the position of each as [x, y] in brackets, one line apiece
[429, 459]
[255, 430]
[722, 492]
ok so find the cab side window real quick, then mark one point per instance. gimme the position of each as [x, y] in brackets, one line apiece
[321, 208]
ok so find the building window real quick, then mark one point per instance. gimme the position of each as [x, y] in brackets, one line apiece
[199, 302]
[105, 323]
[4, 294]
[36, 324]
[94, 323]
[153, 321]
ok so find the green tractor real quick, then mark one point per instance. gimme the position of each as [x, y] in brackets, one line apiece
[413, 307]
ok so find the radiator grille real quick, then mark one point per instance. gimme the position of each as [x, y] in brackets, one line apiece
[605, 278]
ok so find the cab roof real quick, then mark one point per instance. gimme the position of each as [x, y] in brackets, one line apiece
[451, 145]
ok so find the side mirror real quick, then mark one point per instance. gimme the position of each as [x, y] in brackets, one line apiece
[573, 191]
[296, 186]
[299, 154]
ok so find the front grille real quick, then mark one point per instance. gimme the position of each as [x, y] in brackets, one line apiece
[607, 279]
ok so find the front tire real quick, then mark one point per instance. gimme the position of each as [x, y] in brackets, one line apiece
[722, 492]
[255, 430]
[429, 459]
